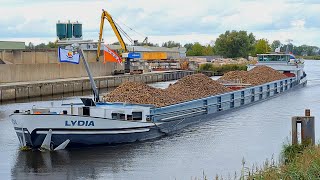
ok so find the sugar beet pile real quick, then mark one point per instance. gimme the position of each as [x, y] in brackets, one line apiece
[188, 88]
[256, 76]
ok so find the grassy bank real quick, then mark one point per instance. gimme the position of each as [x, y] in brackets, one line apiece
[299, 162]
[220, 70]
[309, 57]
[296, 162]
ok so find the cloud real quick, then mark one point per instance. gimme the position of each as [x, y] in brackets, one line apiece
[181, 21]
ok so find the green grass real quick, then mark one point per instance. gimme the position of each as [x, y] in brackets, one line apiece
[297, 162]
[310, 57]
[223, 68]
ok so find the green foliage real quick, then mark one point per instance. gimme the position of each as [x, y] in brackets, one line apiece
[306, 50]
[197, 49]
[30, 46]
[139, 44]
[208, 51]
[52, 44]
[290, 152]
[275, 44]
[303, 50]
[171, 44]
[310, 57]
[206, 67]
[235, 44]
[301, 162]
[42, 45]
[188, 46]
[261, 47]
[223, 68]
[286, 47]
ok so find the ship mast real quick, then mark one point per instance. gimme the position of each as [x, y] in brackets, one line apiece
[86, 65]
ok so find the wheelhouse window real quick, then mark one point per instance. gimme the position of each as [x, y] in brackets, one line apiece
[273, 58]
[118, 116]
[136, 116]
[114, 115]
[260, 58]
[129, 117]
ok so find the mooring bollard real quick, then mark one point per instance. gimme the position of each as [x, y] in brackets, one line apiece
[307, 128]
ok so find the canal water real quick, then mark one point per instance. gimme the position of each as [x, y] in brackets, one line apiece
[218, 146]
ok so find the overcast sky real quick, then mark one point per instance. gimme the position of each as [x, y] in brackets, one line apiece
[163, 20]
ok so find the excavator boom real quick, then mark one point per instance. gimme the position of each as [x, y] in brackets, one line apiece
[106, 15]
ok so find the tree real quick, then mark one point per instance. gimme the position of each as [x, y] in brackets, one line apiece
[52, 45]
[171, 44]
[262, 46]
[275, 44]
[41, 46]
[235, 44]
[287, 48]
[208, 50]
[196, 50]
[188, 46]
[30, 46]
[147, 44]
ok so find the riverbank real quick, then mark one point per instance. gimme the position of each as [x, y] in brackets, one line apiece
[298, 162]
[309, 57]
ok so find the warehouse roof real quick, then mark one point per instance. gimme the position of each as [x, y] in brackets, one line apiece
[12, 45]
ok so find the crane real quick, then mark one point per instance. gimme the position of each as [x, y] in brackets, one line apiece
[106, 15]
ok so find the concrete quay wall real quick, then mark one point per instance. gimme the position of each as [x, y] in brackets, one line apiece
[24, 90]
[34, 65]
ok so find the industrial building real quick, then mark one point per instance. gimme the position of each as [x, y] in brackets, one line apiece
[71, 32]
[9, 45]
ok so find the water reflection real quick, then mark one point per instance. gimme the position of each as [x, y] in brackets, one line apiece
[72, 164]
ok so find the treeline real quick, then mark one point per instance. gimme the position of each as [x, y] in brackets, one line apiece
[303, 50]
[50, 45]
[234, 44]
[231, 44]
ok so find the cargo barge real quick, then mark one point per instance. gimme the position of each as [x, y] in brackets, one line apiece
[101, 123]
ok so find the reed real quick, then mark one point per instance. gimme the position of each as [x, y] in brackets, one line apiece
[296, 162]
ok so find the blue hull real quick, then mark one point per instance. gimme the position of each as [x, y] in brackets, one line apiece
[80, 140]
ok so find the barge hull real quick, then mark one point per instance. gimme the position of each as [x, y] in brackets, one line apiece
[32, 128]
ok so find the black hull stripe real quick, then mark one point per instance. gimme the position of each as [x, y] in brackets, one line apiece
[88, 130]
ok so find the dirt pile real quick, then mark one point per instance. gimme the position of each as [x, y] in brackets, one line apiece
[256, 76]
[140, 93]
[196, 86]
[264, 74]
[188, 88]
[234, 76]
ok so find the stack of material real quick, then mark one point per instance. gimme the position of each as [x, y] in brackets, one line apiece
[196, 86]
[263, 74]
[256, 76]
[234, 76]
[188, 88]
[140, 93]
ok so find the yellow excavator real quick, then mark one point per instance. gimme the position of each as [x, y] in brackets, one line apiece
[124, 51]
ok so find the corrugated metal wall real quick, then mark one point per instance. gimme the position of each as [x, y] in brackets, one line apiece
[12, 45]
